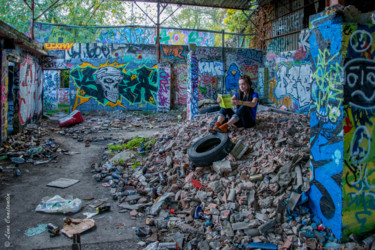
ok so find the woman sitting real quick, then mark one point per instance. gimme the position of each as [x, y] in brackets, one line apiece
[246, 102]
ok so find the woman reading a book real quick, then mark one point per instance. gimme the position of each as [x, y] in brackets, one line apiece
[246, 102]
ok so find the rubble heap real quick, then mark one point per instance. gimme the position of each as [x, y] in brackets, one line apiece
[258, 199]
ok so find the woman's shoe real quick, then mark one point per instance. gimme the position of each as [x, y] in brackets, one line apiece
[223, 128]
[214, 129]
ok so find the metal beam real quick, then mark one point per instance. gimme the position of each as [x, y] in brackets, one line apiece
[146, 13]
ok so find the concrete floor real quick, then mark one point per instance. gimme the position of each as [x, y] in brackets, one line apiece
[113, 230]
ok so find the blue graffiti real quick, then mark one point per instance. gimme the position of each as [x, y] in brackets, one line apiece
[233, 75]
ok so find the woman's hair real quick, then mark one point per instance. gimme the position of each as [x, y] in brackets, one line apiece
[247, 79]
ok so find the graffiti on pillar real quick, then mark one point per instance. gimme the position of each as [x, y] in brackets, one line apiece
[30, 104]
[359, 145]
[359, 83]
[51, 83]
[192, 101]
[326, 122]
[4, 96]
[294, 81]
[111, 85]
[211, 68]
[180, 83]
[232, 77]
[164, 92]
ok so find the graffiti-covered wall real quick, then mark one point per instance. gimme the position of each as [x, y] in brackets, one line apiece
[51, 84]
[30, 85]
[359, 130]
[291, 77]
[50, 33]
[327, 121]
[214, 74]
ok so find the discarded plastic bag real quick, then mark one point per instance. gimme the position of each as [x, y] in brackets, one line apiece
[59, 205]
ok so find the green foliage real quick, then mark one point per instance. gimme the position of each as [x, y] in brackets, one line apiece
[73, 12]
[64, 78]
[133, 144]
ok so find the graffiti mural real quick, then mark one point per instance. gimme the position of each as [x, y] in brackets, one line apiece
[4, 95]
[211, 68]
[164, 92]
[359, 131]
[183, 37]
[232, 77]
[30, 77]
[51, 83]
[63, 96]
[111, 85]
[50, 33]
[192, 91]
[58, 46]
[294, 81]
[326, 122]
[174, 52]
[180, 83]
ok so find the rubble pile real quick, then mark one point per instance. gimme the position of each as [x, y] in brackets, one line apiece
[111, 122]
[258, 199]
[32, 146]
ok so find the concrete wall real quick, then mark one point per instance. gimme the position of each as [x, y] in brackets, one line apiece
[51, 84]
[26, 90]
[290, 77]
[138, 86]
[49, 33]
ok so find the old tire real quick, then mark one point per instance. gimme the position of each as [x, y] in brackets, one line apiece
[209, 109]
[209, 149]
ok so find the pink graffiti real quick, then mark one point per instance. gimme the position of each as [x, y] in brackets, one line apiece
[163, 88]
[252, 71]
[30, 90]
[179, 74]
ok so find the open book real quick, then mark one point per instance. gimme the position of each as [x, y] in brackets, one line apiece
[225, 101]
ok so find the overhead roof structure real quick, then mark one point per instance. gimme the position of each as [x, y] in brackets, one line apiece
[20, 39]
[225, 4]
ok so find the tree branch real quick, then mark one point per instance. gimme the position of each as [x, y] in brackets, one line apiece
[92, 14]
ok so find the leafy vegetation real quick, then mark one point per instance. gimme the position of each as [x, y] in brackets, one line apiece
[134, 144]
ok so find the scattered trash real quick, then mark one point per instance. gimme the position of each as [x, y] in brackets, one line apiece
[36, 230]
[57, 204]
[76, 226]
[53, 230]
[62, 183]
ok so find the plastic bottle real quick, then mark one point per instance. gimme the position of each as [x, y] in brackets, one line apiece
[17, 160]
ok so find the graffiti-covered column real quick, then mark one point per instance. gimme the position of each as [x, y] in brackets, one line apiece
[326, 121]
[359, 130]
[192, 91]
[164, 88]
[342, 194]
[4, 95]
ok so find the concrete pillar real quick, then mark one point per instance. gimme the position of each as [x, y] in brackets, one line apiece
[192, 91]
[342, 194]
[164, 88]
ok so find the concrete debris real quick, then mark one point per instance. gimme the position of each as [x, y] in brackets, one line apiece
[252, 198]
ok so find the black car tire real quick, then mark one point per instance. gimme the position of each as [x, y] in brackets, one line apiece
[209, 149]
[209, 109]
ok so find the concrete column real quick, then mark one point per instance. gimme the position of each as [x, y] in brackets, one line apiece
[192, 91]
[342, 194]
